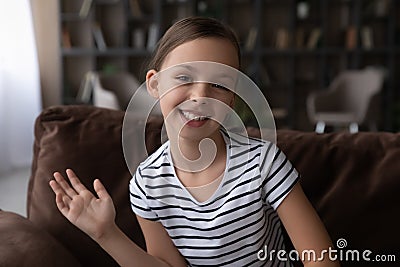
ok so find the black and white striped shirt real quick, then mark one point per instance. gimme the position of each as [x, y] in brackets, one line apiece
[239, 220]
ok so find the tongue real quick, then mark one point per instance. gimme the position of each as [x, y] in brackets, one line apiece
[196, 123]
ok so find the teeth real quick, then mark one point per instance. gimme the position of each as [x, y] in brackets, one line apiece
[191, 116]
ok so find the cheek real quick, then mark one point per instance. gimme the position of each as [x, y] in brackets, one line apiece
[170, 100]
[226, 97]
[166, 107]
[228, 100]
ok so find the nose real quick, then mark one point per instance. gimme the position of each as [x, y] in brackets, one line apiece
[199, 93]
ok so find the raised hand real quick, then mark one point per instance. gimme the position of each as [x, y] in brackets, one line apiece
[92, 215]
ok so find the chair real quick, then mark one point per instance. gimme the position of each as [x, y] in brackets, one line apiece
[114, 91]
[108, 90]
[347, 100]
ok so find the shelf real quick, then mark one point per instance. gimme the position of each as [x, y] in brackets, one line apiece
[324, 51]
[282, 74]
[108, 52]
[106, 2]
[65, 17]
[140, 19]
[277, 52]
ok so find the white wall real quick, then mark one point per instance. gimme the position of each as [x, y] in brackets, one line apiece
[46, 25]
[19, 84]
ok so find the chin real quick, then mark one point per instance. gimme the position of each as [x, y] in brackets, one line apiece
[198, 134]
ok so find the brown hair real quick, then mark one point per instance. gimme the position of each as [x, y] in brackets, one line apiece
[189, 29]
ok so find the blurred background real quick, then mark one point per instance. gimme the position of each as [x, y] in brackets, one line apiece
[309, 58]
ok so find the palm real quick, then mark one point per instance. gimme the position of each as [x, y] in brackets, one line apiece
[90, 214]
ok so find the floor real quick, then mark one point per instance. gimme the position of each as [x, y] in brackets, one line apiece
[13, 188]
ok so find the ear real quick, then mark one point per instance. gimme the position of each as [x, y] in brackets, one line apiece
[152, 83]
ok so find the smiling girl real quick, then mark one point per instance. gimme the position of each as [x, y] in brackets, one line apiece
[188, 214]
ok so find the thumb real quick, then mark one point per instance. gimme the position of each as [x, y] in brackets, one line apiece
[100, 189]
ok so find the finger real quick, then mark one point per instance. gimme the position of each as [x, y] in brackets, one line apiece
[75, 182]
[62, 202]
[100, 189]
[58, 191]
[55, 187]
[67, 201]
[64, 185]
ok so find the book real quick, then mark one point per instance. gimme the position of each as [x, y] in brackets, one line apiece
[314, 38]
[251, 39]
[382, 8]
[351, 37]
[344, 16]
[282, 39]
[377, 8]
[265, 76]
[99, 37]
[152, 37]
[135, 8]
[367, 37]
[86, 88]
[66, 38]
[138, 38]
[85, 8]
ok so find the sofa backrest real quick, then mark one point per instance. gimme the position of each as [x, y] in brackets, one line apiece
[353, 182]
[351, 179]
[88, 140]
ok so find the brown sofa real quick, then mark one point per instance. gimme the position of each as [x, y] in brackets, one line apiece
[351, 179]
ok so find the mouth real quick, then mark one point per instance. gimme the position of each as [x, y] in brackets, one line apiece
[192, 116]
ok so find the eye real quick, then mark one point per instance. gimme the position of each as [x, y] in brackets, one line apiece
[218, 86]
[184, 78]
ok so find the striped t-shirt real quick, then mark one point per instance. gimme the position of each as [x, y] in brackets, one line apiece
[237, 221]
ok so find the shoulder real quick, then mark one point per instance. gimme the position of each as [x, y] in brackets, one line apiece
[240, 143]
[154, 172]
[240, 139]
[157, 157]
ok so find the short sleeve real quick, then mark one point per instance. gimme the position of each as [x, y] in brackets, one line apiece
[277, 173]
[139, 201]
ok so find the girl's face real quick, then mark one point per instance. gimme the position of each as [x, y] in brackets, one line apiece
[188, 109]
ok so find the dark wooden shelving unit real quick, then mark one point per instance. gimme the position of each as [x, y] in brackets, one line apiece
[285, 61]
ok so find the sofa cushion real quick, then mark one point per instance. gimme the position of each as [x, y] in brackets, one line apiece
[88, 140]
[22, 244]
[353, 181]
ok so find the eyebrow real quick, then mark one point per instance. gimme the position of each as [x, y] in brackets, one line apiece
[191, 68]
[185, 66]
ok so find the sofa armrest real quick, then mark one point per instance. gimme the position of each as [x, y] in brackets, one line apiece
[22, 244]
[86, 139]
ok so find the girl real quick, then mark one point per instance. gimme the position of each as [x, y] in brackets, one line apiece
[201, 223]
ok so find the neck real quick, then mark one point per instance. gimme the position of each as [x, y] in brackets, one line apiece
[196, 155]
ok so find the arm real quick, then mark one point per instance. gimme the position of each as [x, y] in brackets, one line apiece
[304, 227]
[159, 244]
[96, 217]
